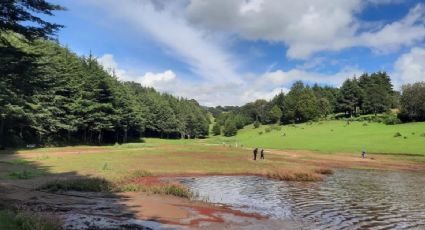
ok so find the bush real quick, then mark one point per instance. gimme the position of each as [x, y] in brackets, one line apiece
[256, 124]
[260, 133]
[397, 134]
[391, 120]
[268, 130]
[422, 135]
[365, 124]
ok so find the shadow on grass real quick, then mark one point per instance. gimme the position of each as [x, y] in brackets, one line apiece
[31, 197]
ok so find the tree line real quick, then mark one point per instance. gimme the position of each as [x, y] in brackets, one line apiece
[368, 94]
[49, 95]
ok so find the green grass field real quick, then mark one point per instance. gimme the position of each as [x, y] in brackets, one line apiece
[335, 136]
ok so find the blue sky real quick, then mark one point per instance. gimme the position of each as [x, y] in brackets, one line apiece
[229, 52]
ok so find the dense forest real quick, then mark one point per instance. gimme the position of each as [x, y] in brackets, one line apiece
[49, 95]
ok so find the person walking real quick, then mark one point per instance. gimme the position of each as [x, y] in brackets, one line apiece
[255, 153]
[363, 153]
[262, 154]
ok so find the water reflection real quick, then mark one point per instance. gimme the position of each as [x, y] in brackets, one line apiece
[351, 199]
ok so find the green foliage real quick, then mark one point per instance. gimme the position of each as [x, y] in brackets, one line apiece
[27, 221]
[397, 134]
[229, 128]
[257, 124]
[23, 17]
[52, 97]
[274, 114]
[413, 102]
[350, 96]
[216, 129]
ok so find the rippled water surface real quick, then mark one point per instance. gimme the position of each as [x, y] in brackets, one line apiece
[350, 199]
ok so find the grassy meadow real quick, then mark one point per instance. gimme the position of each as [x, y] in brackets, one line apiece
[335, 136]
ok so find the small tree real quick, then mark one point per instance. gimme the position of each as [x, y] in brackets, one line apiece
[229, 128]
[216, 129]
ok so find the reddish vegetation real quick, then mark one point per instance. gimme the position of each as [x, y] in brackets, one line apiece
[148, 180]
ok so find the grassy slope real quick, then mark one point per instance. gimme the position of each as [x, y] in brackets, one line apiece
[336, 136]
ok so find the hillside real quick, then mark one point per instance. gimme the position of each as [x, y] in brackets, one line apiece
[335, 136]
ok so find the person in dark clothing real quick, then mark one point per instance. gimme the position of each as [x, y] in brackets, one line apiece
[262, 154]
[363, 153]
[255, 153]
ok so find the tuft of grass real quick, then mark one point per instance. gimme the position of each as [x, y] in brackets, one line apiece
[286, 175]
[324, 171]
[105, 167]
[139, 173]
[94, 184]
[28, 221]
[397, 134]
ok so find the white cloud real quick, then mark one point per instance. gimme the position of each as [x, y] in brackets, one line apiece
[205, 56]
[156, 79]
[308, 27]
[410, 67]
[160, 81]
[280, 77]
[110, 65]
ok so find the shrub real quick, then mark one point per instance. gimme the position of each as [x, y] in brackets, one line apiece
[397, 134]
[365, 124]
[268, 130]
[260, 133]
[391, 120]
[256, 124]
[422, 135]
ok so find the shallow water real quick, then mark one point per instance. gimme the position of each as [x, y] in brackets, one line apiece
[350, 199]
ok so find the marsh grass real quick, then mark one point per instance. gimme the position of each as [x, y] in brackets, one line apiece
[287, 175]
[125, 184]
[28, 221]
[161, 188]
[324, 171]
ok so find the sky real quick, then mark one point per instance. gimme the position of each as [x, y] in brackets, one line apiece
[230, 52]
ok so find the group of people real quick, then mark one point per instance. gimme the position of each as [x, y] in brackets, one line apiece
[256, 152]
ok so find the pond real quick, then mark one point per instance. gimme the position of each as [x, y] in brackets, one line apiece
[349, 199]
